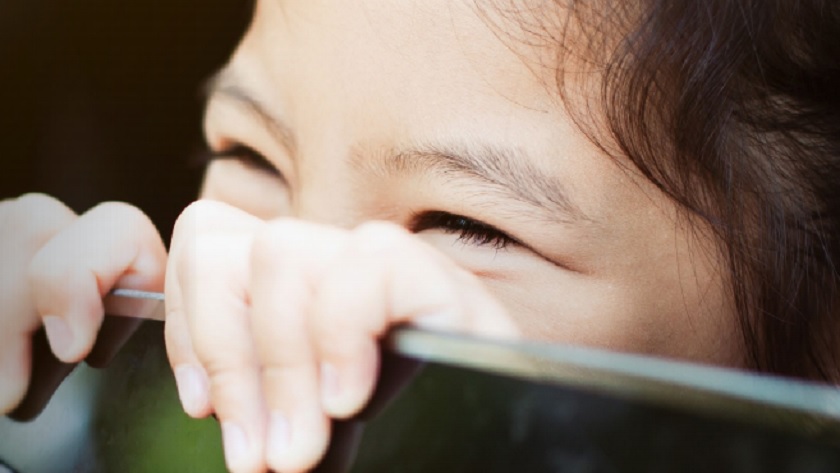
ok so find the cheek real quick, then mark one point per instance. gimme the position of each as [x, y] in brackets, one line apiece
[674, 306]
[565, 307]
[689, 287]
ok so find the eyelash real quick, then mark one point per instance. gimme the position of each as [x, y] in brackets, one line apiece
[244, 154]
[469, 231]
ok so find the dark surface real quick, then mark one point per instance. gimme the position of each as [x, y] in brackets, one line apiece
[443, 419]
[101, 99]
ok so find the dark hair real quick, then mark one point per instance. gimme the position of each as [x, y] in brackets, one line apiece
[731, 108]
[745, 93]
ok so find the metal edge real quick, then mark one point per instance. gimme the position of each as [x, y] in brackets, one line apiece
[801, 407]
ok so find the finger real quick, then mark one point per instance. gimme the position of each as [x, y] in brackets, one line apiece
[286, 259]
[190, 377]
[214, 299]
[26, 224]
[456, 302]
[385, 277]
[352, 310]
[200, 217]
[112, 244]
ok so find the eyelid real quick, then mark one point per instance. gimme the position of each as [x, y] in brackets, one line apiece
[435, 219]
[469, 230]
[245, 154]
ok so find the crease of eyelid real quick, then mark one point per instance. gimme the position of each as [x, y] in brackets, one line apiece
[224, 85]
[469, 230]
[245, 155]
[427, 220]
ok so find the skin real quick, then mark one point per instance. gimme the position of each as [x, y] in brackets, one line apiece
[354, 82]
[279, 282]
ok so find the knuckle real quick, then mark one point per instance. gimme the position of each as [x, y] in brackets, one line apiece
[125, 219]
[44, 272]
[382, 230]
[229, 387]
[186, 220]
[121, 213]
[37, 216]
[379, 237]
[37, 201]
[202, 205]
[328, 329]
[208, 216]
[277, 239]
[276, 373]
[339, 345]
[225, 365]
[202, 210]
[63, 287]
[212, 257]
[191, 217]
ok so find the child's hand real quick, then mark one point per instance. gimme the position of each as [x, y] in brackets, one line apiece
[274, 325]
[56, 267]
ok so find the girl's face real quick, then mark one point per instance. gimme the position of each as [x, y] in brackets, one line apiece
[423, 113]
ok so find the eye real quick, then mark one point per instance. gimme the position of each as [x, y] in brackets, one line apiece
[469, 231]
[246, 155]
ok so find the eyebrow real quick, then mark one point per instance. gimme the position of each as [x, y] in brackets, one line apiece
[505, 170]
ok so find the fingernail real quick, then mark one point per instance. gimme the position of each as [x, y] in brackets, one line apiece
[297, 439]
[60, 336]
[278, 435]
[192, 389]
[236, 444]
[329, 383]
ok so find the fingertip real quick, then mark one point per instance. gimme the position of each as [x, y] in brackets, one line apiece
[190, 376]
[193, 390]
[331, 399]
[347, 383]
[241, 451]
[71, 316]
[60, 336]
[68, 342]
[279, 437]
[297, 442]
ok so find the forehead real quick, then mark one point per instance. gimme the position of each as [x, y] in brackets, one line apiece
[379, 74]
[372, 74]
[407, 57]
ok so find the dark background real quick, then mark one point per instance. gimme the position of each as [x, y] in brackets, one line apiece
[101, 99]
